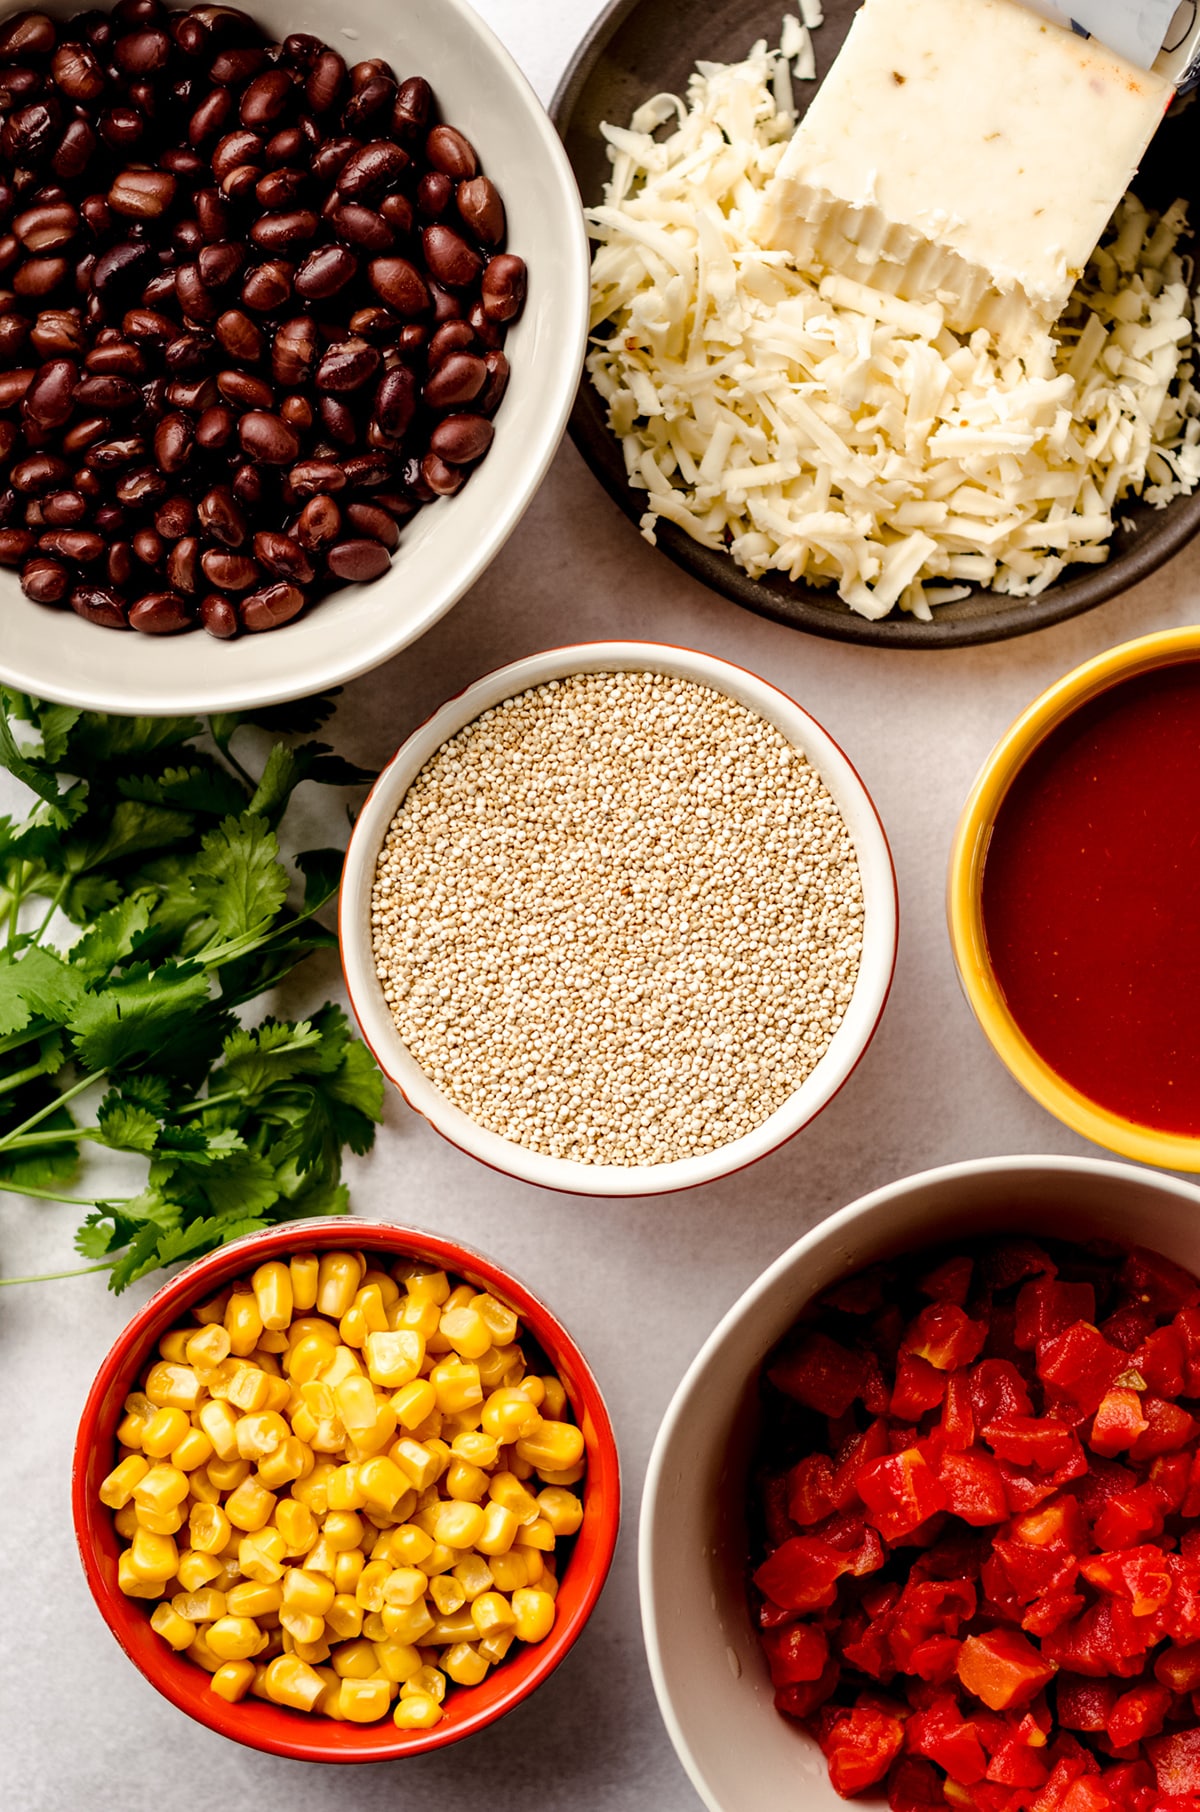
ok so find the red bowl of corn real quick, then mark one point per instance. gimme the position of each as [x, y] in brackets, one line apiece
[283, 1546]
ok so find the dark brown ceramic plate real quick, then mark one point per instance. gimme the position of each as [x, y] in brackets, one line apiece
[641, 47]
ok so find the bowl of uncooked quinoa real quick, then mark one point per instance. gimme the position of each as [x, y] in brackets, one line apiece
[619, 918]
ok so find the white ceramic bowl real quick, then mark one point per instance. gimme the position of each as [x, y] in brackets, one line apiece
[879, 935]
[446, 547]
[708, 1670]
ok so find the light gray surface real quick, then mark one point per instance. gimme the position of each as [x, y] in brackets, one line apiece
[640, 1283]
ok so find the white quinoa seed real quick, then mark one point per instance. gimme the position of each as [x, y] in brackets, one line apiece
[618, 919]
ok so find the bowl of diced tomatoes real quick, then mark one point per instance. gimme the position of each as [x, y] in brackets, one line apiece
[921, 1527]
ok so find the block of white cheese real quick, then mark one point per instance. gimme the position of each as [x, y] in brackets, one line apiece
[967, 152]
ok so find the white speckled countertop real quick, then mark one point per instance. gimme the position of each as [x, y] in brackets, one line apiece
[640, 1283]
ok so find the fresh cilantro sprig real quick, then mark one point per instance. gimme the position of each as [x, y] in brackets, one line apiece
[153, 838]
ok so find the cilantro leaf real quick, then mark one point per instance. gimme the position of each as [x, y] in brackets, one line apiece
[200, 1236]
[140, 1256]
[97, 739]
[126, 1126]
[137, 1015]
[113, 936]
[322, 871]
[202, 786]
[36, 983]
[238, 879]
[33, 773]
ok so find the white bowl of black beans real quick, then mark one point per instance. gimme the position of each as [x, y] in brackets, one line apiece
[271, 292]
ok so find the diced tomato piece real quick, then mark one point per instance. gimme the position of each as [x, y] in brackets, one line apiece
[1103, 1639]
[1170, 1429]
[871, 1444]
[1030, 1441]
[1162, 1361]
[808, 1485]
[1128, 1326]
[1028, 1486]
[1049, 1614]
[997, 1389]
[1180, 1617]
[1026, 1572]
[1128, 1519]
[1089, 1794]
[940, 1732]
[974, 1487]
[772, 1616]
[935, 1659]
[820, 1373]
[802, 1574]
[900, 1492]
[1176, 1761]
[799, 1651]
[1104, 1480]
[1084, 1704]
[945, 1336]
[1057, 1524]
[1138, 1574]
[957, 1425]
[1003, 1669]
[1010, 1260]
[1015, 1764]
[1048, 1305]
[1138, 1714]
[1169, 1477]
[1068, 1767]
[949, 1282]
[1179, 1668]
[1187, 1325]
[915, 1787]
[1153, 1279]
[807, 1696]
[1118, 1422]
[919, 1388]
[1080, 1363]
[860, 1743]
[1190, 1505]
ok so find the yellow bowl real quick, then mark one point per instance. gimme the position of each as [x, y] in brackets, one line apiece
[964, 903]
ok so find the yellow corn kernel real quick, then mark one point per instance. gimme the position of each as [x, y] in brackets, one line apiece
[207, 1347]
[131, 1582]
[227, 1475]
[342, 1529]
[502, 1323]
[495, 1368]
[321, 1557]
[196, 1569]
[368, 1589]
[219, 1423]
[129, 1431]
[520, 1469]
[117, 1489]
[259, 1435]
[368, 1441]
[209, 1529]
[447, 1630]
[356, 1405]
[173, 1628]
[271, 1343]
[338, 1275]
[456, 1384]
[313, 1489]
[419, 1466]
[248, 1388]
[423, 1284]
[312, 1652]
[476, 1448]
[537, 1534]
[467, 1332]
[408, 1546]
[561, 1509]
[290, 1460]
[165, 1429]
[233, 1680]
[499, 1530]
[355, 1660]
[414, 1402]
[173, 1345]
[569, 1475]
[554, 1405]
[260, 1555]
[153, 1556]
[171, 1386]
[440, 1559]
[431, 1680]
[201, 1488]
[249, 1507]
[309, 1354]
[279, 1391]
[533, 1611]
[160, 1522]
[289, 1681]
[344, 1618]
[473, 1576]
[372, 1305]
[465, 1481]
[160, 1489]
[508, 1415]
[394, 1359]
[404, 1585]
[416, 1711]
[464, 1664]
[363, 1701]
[304, 1591]
[253, 1598]
[379, 1482]
[509, 1571]
[296, 1524]
[460, 1297]
[303, 1271]
[494, 1648]
[353, 1328]
[206, 1313]
[447, 1594]
[533, 1388]
[555, 1445]
[272, 1287]
[192, 1451]
[492, 1612]
[202, 1654]
[507, 1489]
[306, 1629]
[458, 1525]
[243, 1323]
[402, 1622]
[202, 1606]
[399, 1661]
[414, 1317]
[343, 1362]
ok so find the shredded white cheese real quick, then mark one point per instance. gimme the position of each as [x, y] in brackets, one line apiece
[836, 434]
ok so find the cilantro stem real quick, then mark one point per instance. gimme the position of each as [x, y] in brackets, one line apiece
[51, 1107]
[198, 1107]
[53, 1276]
[20, 1077]
[51, 1195]
[14, 903]
[59, 896]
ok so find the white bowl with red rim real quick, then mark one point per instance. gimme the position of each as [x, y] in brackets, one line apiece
[445, 547]
[708, 1670]
[880, 919]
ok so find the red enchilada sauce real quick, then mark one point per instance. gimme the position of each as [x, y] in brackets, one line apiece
[1091, 899]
